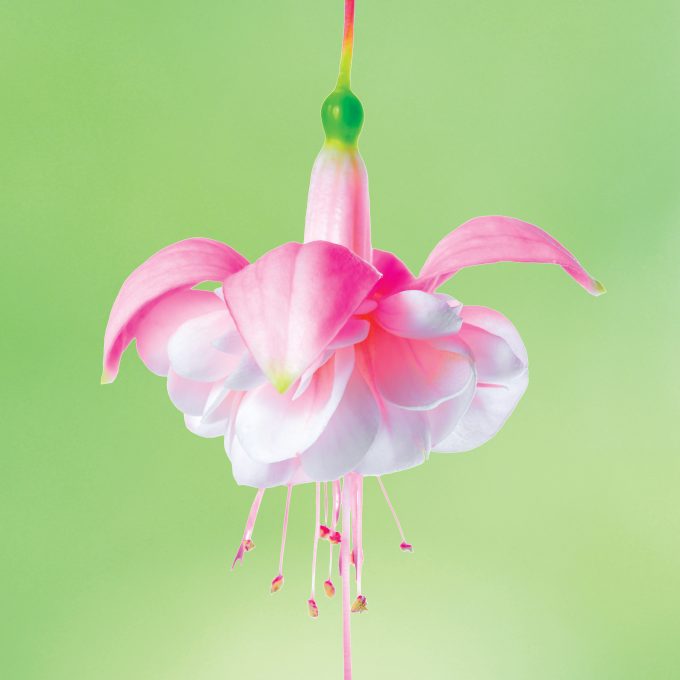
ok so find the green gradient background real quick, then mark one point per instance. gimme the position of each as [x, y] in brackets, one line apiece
[552, 552]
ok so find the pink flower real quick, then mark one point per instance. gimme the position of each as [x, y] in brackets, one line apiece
[329, 359]
[314, 362]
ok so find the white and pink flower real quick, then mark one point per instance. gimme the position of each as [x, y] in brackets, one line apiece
[329, 360]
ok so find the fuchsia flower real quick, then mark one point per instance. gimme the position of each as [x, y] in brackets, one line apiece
[329, 361]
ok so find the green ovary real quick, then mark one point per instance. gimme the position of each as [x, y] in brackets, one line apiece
[342, 116]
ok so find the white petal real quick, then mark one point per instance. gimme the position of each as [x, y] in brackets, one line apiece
[416, 314]
[208, 430]
[306, 377]
[272, 426]
[248, 472]
[192, 352]
[353, 332]
[444, 418]
[347, 436]
[490, 408]
[247, 375]
[402, 442]
[189, 396]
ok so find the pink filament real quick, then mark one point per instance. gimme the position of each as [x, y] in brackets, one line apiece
[316, 536]
[394, 512]
[325, 503]
[336, 503]
[358, 533]
[250, 525]
[334, 520]
[285, 528]
[344, 551]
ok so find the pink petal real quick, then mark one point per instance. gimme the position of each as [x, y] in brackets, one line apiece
[415, 374]
[273, 426]
[396, 276]
[490, 408]
[156, 326]
[179, 266]
[338, 204]
[291, 303]
[402, 442]
[416, 314]
[347, 436]
[192, 349]
[484, 240]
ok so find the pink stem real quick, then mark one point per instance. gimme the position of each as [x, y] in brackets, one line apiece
[250, 525]
[316, 536]
[346, 605]
[285, 528]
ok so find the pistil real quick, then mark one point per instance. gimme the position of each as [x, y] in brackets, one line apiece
[333, 536]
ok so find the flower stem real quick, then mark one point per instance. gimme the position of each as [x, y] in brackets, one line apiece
[347, 45]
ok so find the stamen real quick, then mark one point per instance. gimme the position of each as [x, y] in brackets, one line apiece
[246, 543]
[357, 557]
[324, 531]
[336, 503]
[405, 545]
[277, 583]
[359, 605]
[313, 609]
[333, 536]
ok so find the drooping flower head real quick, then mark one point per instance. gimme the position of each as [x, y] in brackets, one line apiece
[328, 361]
